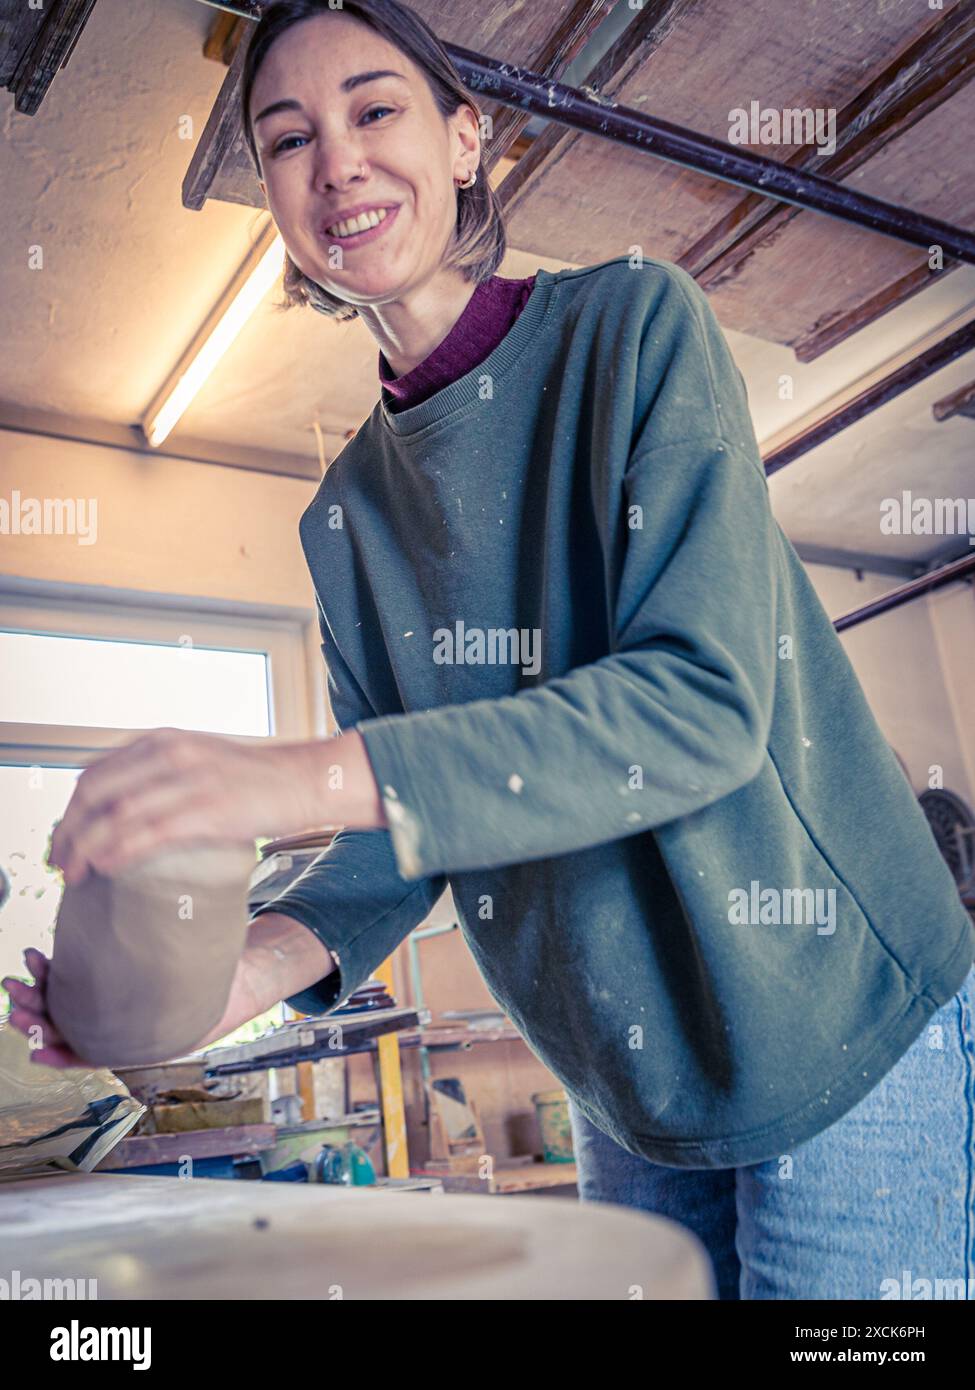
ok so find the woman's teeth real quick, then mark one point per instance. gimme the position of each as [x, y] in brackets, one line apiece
[362, 223]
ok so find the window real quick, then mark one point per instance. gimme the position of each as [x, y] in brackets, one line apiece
[78, 680]
[95, 682]
[31, 800]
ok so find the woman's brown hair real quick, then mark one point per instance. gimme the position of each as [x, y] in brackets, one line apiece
[479, 240]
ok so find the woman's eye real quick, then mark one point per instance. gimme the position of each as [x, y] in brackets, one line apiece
[375, 110]
[283, 144]
[288, 141]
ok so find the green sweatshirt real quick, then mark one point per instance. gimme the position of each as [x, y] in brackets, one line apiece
[603, 701]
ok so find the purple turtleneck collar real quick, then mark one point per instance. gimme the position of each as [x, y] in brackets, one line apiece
[490, 312]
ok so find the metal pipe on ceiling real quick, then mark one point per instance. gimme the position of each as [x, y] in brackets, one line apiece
[530, 91]
[935, 579]
[926, 363]
[516, 86]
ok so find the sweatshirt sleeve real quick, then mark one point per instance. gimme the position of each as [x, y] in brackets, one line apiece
[675, 717]
[352, 896]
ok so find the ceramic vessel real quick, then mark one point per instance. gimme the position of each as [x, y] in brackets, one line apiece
[143, 961]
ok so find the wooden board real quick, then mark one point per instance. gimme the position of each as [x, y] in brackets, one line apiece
[19, 28]
[506, 1182]
[324, 1037]
[184, 1117]
[139, 1150]
[36, 41]
[148, 1237]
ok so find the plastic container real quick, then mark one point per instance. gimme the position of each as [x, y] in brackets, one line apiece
[552, 1108]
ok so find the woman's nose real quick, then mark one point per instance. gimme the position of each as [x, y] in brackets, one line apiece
[336, 165]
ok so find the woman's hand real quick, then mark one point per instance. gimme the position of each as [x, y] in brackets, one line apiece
[175, 786]
[29, 1015]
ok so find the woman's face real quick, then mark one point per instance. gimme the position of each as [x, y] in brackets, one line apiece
[343, 144]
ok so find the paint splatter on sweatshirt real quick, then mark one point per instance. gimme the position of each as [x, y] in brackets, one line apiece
[603, 700]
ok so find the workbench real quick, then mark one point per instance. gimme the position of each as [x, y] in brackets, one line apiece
[172, 1238]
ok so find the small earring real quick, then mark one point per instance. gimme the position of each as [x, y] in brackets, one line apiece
[471, 180]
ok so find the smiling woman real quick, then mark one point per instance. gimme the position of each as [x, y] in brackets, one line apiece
[365, 94]
[568, 463]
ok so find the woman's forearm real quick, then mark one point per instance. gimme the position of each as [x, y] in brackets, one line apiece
[281, 958]
[173, 785]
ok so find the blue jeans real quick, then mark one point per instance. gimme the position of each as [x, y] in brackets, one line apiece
[879, 1205]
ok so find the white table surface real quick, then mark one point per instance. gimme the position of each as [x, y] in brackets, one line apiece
[173, 1238]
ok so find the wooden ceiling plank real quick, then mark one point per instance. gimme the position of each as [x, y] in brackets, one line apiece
[224, 35]
[813, 277]
[19, 26]
[914, 71]
[926, 73]
[898, 291]
[221, 133]
[768, 178]
[599, 195]
[630, 51]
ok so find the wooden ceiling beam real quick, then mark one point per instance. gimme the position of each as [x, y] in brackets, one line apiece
[691, 149]
[960, 402]
[222, 134]
[38, 42]
[224, 34]
[566, 40]
[928, 70]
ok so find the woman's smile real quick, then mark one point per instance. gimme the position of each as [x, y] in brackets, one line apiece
[354, 231]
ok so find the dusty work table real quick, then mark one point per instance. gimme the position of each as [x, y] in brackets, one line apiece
[173, 1238]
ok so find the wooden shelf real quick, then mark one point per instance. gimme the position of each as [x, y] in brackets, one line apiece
[524, 1177]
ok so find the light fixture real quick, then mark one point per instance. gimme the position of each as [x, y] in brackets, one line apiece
[255, 277]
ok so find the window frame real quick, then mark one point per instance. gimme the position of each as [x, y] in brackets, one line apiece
[286, 640]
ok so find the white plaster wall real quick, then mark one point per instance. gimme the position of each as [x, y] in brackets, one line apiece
[917, 668]
[952, 614]
[163, 525]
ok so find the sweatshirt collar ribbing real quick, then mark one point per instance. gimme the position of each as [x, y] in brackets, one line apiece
[444, 403]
